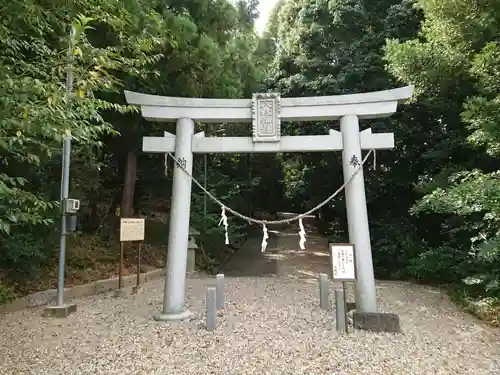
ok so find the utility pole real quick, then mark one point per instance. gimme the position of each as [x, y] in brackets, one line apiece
[61, 309]
[205, 171]
[205, 185]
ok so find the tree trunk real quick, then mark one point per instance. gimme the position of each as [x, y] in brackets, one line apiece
[127, 204]
[94, 219]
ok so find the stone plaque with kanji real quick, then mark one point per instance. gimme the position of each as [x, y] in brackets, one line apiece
[266, 125]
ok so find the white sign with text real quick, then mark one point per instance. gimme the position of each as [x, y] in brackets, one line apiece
[132, 230]
[343, 262]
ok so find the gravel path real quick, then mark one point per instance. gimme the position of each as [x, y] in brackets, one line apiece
[270, 325]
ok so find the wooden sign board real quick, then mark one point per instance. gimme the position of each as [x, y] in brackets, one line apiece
[132, 230]
[343, 262]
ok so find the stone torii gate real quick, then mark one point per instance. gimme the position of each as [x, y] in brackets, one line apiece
[267, 111]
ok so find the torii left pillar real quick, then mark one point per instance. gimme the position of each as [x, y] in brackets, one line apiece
[175, 278]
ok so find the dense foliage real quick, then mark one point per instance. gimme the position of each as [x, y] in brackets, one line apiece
[186, 48]
[443, 172]
[455, 67]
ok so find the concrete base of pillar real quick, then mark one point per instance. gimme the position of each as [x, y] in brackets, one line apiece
[62, 311]
[376, 322]
[168, 317]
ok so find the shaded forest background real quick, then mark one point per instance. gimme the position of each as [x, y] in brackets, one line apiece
[434, 201]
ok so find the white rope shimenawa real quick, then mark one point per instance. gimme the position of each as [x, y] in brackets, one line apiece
[263, 223]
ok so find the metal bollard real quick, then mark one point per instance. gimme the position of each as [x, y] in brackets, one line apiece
[323, 291]
[219, 285]
[340, 312]
[211, 306]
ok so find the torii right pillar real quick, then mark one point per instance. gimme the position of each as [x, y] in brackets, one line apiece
[357, 215]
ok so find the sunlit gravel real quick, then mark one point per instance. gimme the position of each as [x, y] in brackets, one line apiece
[269, 326]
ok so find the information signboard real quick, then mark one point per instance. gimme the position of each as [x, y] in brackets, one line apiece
[343, 262]
[131, 230]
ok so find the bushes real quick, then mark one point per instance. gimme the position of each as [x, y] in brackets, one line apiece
[439, 265]
[25, 253]
[23, 258]
[394, 246]
[6, 294]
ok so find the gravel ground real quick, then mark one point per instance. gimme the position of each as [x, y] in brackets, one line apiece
[269, 326]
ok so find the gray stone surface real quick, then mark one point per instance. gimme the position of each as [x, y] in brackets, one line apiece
[211, 309]
[220, 290]
[324, 294]
[340, 313]
[377, 322]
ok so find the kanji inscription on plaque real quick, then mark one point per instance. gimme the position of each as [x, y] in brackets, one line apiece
[266, 125]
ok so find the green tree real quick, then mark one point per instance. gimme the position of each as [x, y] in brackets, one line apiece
[336, 47]
[454, 66]
[192, 48]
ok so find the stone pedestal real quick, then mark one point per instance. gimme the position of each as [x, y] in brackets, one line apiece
[191, 260]
[376, 322]
[192, 248]
[62, 311]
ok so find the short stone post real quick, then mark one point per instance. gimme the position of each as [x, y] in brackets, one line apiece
[219, 286]
[340, 312]
[211, 307]
[192, 248]
[323, 291]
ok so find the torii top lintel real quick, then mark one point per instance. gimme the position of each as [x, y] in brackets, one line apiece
[374, 104]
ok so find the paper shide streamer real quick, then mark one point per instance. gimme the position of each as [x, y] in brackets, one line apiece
[223, 221]
[302, 234]
[265, 236]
